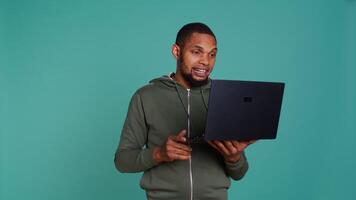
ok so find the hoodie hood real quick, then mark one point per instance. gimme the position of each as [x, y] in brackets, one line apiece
[168, 81]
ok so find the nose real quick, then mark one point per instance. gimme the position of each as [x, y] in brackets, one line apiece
[204, 60]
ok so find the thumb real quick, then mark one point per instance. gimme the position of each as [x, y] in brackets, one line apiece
[252, 141]
[182, 133]
[181, 136]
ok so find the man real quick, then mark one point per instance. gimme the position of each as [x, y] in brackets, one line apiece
[162, 133]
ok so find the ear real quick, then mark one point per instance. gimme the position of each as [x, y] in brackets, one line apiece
[175, 51]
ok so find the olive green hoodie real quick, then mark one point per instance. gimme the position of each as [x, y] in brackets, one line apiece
[163, 108]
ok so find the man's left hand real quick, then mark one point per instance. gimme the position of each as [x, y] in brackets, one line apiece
[231, 149]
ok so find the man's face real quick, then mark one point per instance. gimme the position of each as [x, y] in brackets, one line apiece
[195, 61]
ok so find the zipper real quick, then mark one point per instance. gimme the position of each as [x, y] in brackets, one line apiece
[190, 159]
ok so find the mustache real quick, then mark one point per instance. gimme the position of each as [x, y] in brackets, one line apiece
[192, 81]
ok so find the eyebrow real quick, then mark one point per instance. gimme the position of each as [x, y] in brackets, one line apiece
[201, 48]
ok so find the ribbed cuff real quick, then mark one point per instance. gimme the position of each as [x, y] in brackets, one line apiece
[238, 164]
[147, 158]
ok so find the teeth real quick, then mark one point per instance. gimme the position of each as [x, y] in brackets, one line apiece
[200, 70]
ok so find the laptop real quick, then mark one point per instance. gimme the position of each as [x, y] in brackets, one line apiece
[243, 110]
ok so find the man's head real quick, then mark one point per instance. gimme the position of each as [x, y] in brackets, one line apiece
[195, 51]
[187, 30]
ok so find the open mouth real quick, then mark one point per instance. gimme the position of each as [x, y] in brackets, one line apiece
[200, 72]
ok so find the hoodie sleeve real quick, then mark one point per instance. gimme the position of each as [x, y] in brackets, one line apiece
[131, 156]
[237, 170]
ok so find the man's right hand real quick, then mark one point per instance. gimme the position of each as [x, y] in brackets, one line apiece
[175, 148]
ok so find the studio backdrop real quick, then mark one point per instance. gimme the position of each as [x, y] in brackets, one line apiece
[68, 70]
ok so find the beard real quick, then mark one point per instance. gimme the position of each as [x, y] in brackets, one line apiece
[195, 83]
[188, 76]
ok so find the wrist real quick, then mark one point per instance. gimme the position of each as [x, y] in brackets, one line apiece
[157, 155]
[233, 158]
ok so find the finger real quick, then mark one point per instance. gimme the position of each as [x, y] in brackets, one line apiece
[181, 157]
[241, 145]
[177, 157]
[174, 151]
[177, 139]
[181, 136]
[215, 147]
[230, 147]
[248, 142]
[244, 145]
[177, 154]
[180, 146]
[182, 133]
[236, 144]
[252, 141]
[222, 147]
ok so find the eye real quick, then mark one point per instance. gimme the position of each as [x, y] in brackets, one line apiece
[213, 55]
[196, 52]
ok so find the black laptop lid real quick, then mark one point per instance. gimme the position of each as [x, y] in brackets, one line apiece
[243, 110]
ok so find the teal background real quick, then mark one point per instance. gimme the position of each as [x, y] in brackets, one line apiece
[69, 68]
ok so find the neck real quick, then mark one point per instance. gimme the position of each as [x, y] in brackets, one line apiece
[181, 80]
[188, 82]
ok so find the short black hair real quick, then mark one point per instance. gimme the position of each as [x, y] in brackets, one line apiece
[187, 30]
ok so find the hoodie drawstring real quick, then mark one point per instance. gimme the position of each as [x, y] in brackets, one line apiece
[180, 98]
[202, 96]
